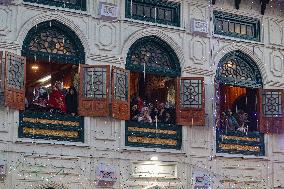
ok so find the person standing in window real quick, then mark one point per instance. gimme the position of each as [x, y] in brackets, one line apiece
[71, 101]
[57, 99]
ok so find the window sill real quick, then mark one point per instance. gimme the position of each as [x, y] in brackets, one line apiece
[53, 142]
[36, 5]
[153, 24]
[225, 155]
[222, 37]
[156, 150]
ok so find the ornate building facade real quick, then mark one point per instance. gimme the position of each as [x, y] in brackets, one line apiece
[140, 94]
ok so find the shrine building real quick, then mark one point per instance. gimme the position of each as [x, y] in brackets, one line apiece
[141, 94]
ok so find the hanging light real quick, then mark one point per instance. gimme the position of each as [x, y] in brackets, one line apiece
[35, 68]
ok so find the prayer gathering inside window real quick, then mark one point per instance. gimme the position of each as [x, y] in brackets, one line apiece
[238, 109]
[52, 87]
[152, 98]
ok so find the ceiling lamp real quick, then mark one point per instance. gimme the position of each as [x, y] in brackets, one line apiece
[44, 79]
[35, 68]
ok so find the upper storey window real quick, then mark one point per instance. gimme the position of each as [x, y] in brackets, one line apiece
[236, 26]
[70, 4]
[157, 11]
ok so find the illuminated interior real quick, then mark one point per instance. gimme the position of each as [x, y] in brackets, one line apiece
[153, 93]
[238, 108]
[41, 77]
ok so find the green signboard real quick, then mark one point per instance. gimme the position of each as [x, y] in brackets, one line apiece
[45, 125]
[152, 135]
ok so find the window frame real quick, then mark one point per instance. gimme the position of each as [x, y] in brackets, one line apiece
[156, 4]
[77, 6]
[237, 19]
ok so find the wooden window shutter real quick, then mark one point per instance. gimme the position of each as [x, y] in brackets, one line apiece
[15, 79]
[271, 111]
[190, 105]
[120, 94]
[94, 90]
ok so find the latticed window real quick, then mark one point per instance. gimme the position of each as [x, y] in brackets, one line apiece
[152, 55]
[95, 82]
[191, 93]
[70, 4]
[120, 84]
[235, 68]
[53, 42]
[272, 103]
[237, 71]
[157, 11]
[236, 26]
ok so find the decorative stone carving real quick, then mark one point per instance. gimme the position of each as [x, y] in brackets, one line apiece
[106, 33]
[5, 20]
[276, 31]
[198, 51]
[105, 128]
[276, 63]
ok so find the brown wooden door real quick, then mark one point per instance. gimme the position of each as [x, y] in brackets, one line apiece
[271, 110]
[15, 78]
[94, 90]
[120, 94]
[190, 105]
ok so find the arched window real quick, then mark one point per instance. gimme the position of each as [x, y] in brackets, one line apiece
[236, 68]
[52, 53]
[155, 55]
[53, 42]
[160, 99]
[244, 110]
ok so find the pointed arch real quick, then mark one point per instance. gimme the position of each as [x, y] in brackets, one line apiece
[53, 41]
[157, 33]
[34, 21]
[236, 68]
[154, 55]
[50, 185]
[247, 52]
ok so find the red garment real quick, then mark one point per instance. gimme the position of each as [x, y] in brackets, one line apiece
[57, 100]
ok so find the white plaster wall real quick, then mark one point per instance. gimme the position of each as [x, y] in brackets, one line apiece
[39, 163]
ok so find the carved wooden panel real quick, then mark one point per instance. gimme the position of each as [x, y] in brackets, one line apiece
[271, 111]
[120, 93]
[15, 78]
[190, 105]
[94, 90]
